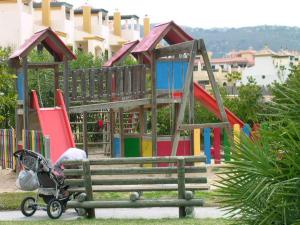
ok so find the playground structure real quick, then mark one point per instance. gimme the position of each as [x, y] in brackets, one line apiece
[123, 97]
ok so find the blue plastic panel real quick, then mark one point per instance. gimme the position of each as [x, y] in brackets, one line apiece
[170, 75]
[117, 147]
[207, 145]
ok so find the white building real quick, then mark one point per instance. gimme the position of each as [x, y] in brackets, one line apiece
[16, 20]
[270, 66]
[86, 28]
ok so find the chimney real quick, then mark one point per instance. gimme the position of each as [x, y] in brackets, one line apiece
[146, 25]
[46, 13]
[117, 23]
[87, 22]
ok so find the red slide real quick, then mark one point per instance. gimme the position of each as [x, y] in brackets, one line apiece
[55, 123]
[210, 103]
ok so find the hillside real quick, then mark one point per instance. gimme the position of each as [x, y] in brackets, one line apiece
[222, 40]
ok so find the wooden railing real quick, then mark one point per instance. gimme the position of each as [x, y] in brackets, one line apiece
[107, 84]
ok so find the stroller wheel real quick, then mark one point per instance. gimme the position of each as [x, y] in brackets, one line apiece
[28, 206]
[55, 209]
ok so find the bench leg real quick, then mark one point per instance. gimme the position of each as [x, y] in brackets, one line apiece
[182, 213]
[91, 213]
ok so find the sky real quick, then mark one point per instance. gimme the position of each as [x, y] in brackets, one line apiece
[206, 13]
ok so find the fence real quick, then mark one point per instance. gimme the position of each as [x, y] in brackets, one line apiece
[33, 140]
[7, 148]
[215, 142]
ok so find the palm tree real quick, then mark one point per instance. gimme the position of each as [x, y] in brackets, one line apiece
[262, 183]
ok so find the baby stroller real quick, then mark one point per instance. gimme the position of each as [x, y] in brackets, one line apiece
[51, 186]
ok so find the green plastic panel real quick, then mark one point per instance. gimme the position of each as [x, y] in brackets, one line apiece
[132, 146]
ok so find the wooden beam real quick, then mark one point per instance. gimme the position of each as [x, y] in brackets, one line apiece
[181, 185]
[156, 187]
[203, 125]
[214, 85]
[122, 135]
[135, 171]
[136, 204]
[139, 160]
[85, 132]
[66, 83]
[153, 104]
[88, 186]
[111, 130]
[44, 65]
[186, 93]
[26, 95]
[176, 49]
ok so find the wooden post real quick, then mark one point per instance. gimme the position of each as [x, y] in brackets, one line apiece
[56, 80]
[153, 104]
[186, 93]
[112, 130]
[84, 115]
[181, 184]
[66, 84]
[214, 85]
[88, 186]
[85, 132]
[121, 117]
[26, 93]
[47, 147]
[142, 127]
[191, 112]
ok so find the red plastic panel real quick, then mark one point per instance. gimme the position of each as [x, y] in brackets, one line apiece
[164, 148]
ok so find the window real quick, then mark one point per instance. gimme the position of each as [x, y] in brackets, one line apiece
[68, 14]
[263, 76]
[224, 84]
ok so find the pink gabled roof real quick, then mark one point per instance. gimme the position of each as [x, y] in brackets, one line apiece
[122, 52]
[170, 32]
[50, 40]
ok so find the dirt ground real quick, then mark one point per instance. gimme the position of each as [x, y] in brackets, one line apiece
[8, 181]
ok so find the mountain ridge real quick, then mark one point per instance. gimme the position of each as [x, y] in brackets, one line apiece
[223, 40]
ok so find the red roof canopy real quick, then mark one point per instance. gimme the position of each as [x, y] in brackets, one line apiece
[125, 50]
[50, 40]
[170, 32]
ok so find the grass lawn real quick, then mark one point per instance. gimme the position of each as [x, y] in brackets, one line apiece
[127, 222]
[11, 201]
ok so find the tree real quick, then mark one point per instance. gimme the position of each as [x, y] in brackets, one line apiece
[233, 77]
[7, 91]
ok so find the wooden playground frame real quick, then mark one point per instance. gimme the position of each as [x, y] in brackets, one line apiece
[120, 89]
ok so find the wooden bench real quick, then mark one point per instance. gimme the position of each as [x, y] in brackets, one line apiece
[180, 175]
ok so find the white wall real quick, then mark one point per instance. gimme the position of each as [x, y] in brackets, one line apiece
[264, 66]
[11, 17]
